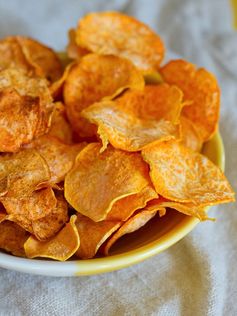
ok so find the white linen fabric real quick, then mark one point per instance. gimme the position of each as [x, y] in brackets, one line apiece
[197, 276]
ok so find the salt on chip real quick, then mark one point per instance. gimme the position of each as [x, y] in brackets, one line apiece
[120, 35]
[60, 127]
[115, 173]
[132, 224]
[22, 173]
[124, 208]
[12, 238]
[61, 247]
[182, 175]
[92, 79]
[60, 157]
[44, 59]
[93, 235]
[124, 131]
[189, 134]
[200, 87]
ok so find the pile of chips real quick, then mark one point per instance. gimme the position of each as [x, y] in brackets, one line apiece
[95, 145]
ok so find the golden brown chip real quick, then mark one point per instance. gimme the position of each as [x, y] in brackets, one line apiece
[73, 50]
[189, 134]
[12, 238]
[132, 224]
[199, 86]
[99, 180]
[22, 173]
[60, 127]
[60, 157]
[92, 79]
[61, 247]
[123, 128]
[42, 58]
[182, 175]
[120, 35]
[93, 235]
[124, 208]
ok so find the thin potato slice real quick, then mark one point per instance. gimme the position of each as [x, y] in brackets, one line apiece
[124, 208]
[73, 50]
[59, 156]
[22, 173]
[132, 224]
[200, 87]
[61, 247]
[116, 174]
[182, 175]
[120, 35]
[92, 79]
[189, 134]
[12, 238]
[93, 235]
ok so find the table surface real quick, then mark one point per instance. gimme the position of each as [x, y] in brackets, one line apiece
[197, 276]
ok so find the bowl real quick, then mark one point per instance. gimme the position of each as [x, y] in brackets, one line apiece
[156, 236]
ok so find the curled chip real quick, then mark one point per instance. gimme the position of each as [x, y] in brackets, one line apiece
[120, 35]
[61, 247]
[185, 208]
[93, 235]
[115, 173]
[44, 60]
[124, 208]
[73, 50]
[60, 127]
[131, 225]
[56, 88]
[92, 79]
[22, 173]
[59, 156]
[189, 134]
[182, 175]
[137, 119]
[200, 87]
[12, 238]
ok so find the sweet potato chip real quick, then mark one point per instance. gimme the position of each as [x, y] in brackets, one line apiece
[124, 208]
[120, 35]
[92, 79]
[61, 247]
[182, 175]
[199, 86]
[114, 174]
[132, 224]
[124, 126]
[42, 58]
[93, 235]
[12, 238]
[59, 156]
[22, 173]
[60, 127]
[189, 134]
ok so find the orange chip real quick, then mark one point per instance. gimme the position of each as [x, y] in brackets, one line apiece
[120, 35]
[131, 225]
[189, 134]
[137, 119]
[12, 238]
[73, 50]
[199, 86]
[93, 235]
[22, 173]
[185, 208]
[61, 247]
[116, 174]
[44, 59]
[182, 175]
[60, 128]
[94, 78]
[124, 208]
[59, 156]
